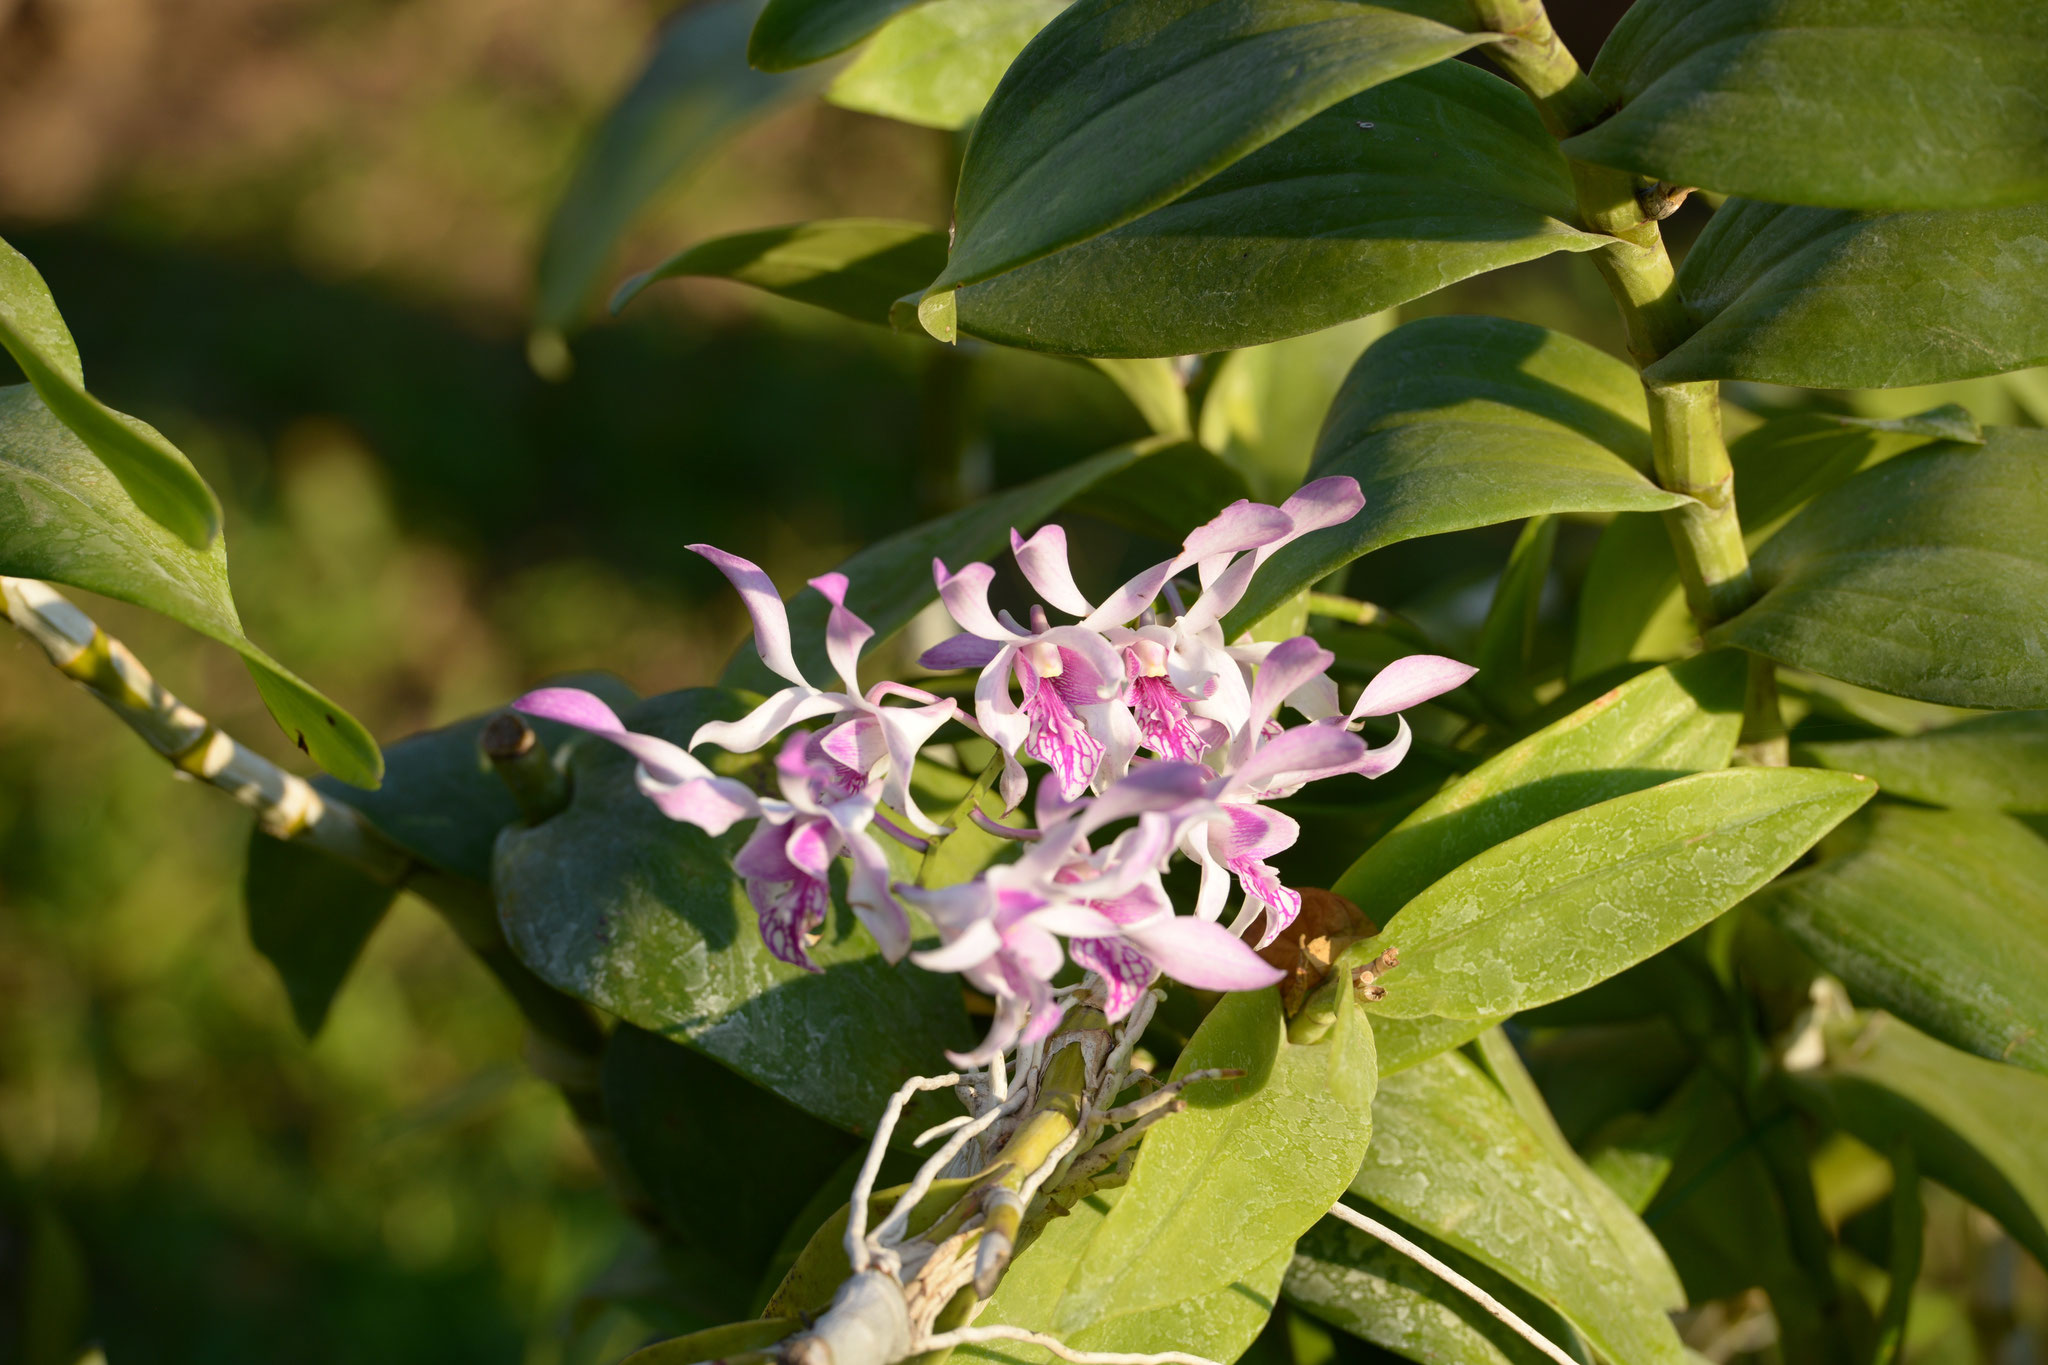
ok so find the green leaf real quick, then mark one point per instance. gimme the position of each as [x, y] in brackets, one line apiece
[1998, 761]
[716, 1343]
[938, 64]
[1849, 103]
[855, 267]
[1940, 917]
[1977, 1127]
[695, 93]
[891, 580]
[1165, 495]
[1451, 1156]
[1507, 654]
[1121, 106]
[309, 916]
[1156, 390]
[1574, 901]
[1454, 422]
[1831, 299]
[1392, 194]
[1266, 403]
[726, 1165]
[65, 519]
[1403, 1043]
[1659, 725]
[643, 917]
[1632, 606]
[794, 33]
[157, 477]
[1191, 1251]
[1923, 577]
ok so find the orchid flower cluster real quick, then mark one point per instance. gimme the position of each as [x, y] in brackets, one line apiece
[1145, 718]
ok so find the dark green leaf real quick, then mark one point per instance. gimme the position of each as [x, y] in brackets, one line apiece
[1167, 494]
[157, 477]
[856, 267]
[1155, 388]
[1507, 657]
[695, 92]
[1850, 103]
[1385, 197]
[64, 518]
[1266, 403]
[1998, 761]
[1832, 299]
[938, 64]
[1923, 577]
[794, 33]
[1940, 917]
[1121, 106]
[1977, 1127]
[617, 905]
[1458, 421]
[1192, 1251]
[716, 1343]
[1451, 1156]
[1574, 901]
[310, 916]
[1659, 725]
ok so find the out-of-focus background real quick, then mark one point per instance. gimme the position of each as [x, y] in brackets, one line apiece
[298, 236]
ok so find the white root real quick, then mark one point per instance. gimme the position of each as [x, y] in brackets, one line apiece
[864, 1184]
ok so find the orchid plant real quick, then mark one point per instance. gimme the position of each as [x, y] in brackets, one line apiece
[1444, 851]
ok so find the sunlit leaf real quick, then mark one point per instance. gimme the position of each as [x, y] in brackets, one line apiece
[856, 267]
[938, 64]
[1998, 762]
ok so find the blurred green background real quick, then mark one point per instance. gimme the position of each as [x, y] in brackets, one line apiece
[296, 235]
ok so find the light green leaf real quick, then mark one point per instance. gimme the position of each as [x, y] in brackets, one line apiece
[1574, 901]
[1849, 103]
[1998, 761]
[1217, 1198]
[309, 915]
[1832, 299]
[938, 64]
[157, 477]
[856, 267]
[1403, 1043]
[695, 92]
[1940, 917]
[1155, 389]
[1266, 403]
[64, 518]
[617, 905]
[1659, 725]
[1460, 421]
[1121, 106]
[1925, 577]
[1977, 1127]
[1451, 1156]
[1632, 606]
[1385, 197]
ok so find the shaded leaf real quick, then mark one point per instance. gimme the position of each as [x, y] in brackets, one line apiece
[1266, 403]
[1940, 917]
[794, 33]
[1156, 390]
[937, 64]
[695, 92]
[856, 267]
[309, 915]
[1451, 1156]
[1578, 899]
[1924, 577]
[1850, 103]
[1506, 657]
[643, 917]
[64, 518]
[716, 1343]
[1121, 106]
[1458, 421]
[1997, 761]
[1833, 299]
[1389, 195]
[1165, 495]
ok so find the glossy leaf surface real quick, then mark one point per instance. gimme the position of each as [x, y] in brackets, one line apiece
[1849, 103]
[65, 518]
[1190, 1255]
[1832, 299]
[1460, 421]
[157, 477]
[938, 64]
[1925, 577]
[1451, 1156]
[617, 905]
[1382, 198]
[1121, 106]
[1940, 917]
[1574, 901]
[1998, 762]
[856, 267]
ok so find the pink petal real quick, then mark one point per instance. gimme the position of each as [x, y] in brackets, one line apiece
[857, 743]
[1250, 831]
[764, 605]
[712, 804]
[1291, 665]
[1244, 525]
[1125, 972]
[961, 651]
[845, 633]
[667, 763]
[867, 892]
[1202, 954]
[976, 944]
[904, 731]
[790, 706]
[1043, 558]
[1132, 598]
[1297, 755]
[1326, 502]
[966, 597]
[1383, 760]
[1410, 682]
